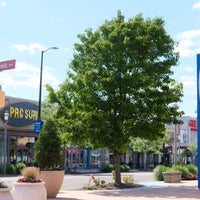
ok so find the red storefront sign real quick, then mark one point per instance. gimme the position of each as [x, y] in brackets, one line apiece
[193, 124]
[72, 151]
[8, 64]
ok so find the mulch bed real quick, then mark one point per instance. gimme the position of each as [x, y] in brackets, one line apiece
[112, 186]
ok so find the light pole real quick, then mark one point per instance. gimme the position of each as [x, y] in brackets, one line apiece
[40, 89]
[175, 106]
[6, 117]
[175, 144]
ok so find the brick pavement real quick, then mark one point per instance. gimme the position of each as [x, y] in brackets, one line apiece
[183, 191]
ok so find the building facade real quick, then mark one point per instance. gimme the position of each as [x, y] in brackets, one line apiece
[19, 130]
[181, 137]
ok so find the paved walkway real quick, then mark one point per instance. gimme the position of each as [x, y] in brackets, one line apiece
[155, 190]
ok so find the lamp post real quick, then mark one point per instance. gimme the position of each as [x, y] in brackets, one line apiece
[40, 89]
[175, 106]
[6, 117]
[175, 144]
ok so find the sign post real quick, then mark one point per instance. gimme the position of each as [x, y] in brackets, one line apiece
[198, 113]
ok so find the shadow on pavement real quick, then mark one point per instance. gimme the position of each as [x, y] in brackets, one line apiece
[170, 192]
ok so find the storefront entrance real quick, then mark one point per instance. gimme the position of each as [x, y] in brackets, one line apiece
[19, 149]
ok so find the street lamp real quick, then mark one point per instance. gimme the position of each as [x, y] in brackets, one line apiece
[175, 106]
[175, 144]
[6, 117]
[40, 89]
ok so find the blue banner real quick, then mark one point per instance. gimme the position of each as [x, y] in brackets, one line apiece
[38, 126]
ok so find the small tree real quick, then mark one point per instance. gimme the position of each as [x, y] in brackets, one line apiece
[48, 147]
[144, 146]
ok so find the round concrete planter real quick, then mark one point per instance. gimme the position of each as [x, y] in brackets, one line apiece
[29, 191]
[5, 194]
[172, 176]
[53, 181]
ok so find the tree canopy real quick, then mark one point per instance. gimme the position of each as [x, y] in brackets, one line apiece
[120, 84]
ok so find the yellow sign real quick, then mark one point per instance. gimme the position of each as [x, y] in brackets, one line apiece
[21, 113]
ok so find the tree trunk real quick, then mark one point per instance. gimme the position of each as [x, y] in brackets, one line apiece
[117, 167]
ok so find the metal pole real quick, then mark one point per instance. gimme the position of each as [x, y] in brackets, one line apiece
[65, 161]
[40, 89]
[5, 147]
[175, 146]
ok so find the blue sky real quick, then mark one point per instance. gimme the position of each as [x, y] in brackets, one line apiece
[30, 26]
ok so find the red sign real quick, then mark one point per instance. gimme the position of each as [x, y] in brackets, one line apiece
[193, 124]
[6, 65]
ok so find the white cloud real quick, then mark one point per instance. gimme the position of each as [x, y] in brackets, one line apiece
[189, 42]
[32, 48]
[196, 5]
[25, 75]
[67, 49]
[61, 19]
[2, 3]
[189, 69]
[189, 84]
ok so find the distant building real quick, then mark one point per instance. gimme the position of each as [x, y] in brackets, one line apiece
[186, 132]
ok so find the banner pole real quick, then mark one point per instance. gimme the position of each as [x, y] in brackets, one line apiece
[198, 114]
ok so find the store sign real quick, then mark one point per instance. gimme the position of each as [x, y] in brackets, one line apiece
[193, 124]
[8, 64]
[21, 113]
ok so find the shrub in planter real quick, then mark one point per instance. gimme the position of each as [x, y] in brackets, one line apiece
[192, 169]
[158, 176]
[49, 157]
[183, 169]
[48, 147]
[193, 172]
[28, 186]
[172, 176]
[3, 185]
[5, 193]
[19, 166]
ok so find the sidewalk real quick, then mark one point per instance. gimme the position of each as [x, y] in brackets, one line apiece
[157, 190]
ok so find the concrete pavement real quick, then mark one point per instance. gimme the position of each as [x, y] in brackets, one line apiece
[158, 190]
[183, 191]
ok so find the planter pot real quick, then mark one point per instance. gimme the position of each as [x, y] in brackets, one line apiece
[172, 177]
[30, 191]
[5, 194]
[53, 181]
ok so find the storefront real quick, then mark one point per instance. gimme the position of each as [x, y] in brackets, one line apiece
[182, 136]
[19, 130]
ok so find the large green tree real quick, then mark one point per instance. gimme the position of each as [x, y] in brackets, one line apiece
[120, 85]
